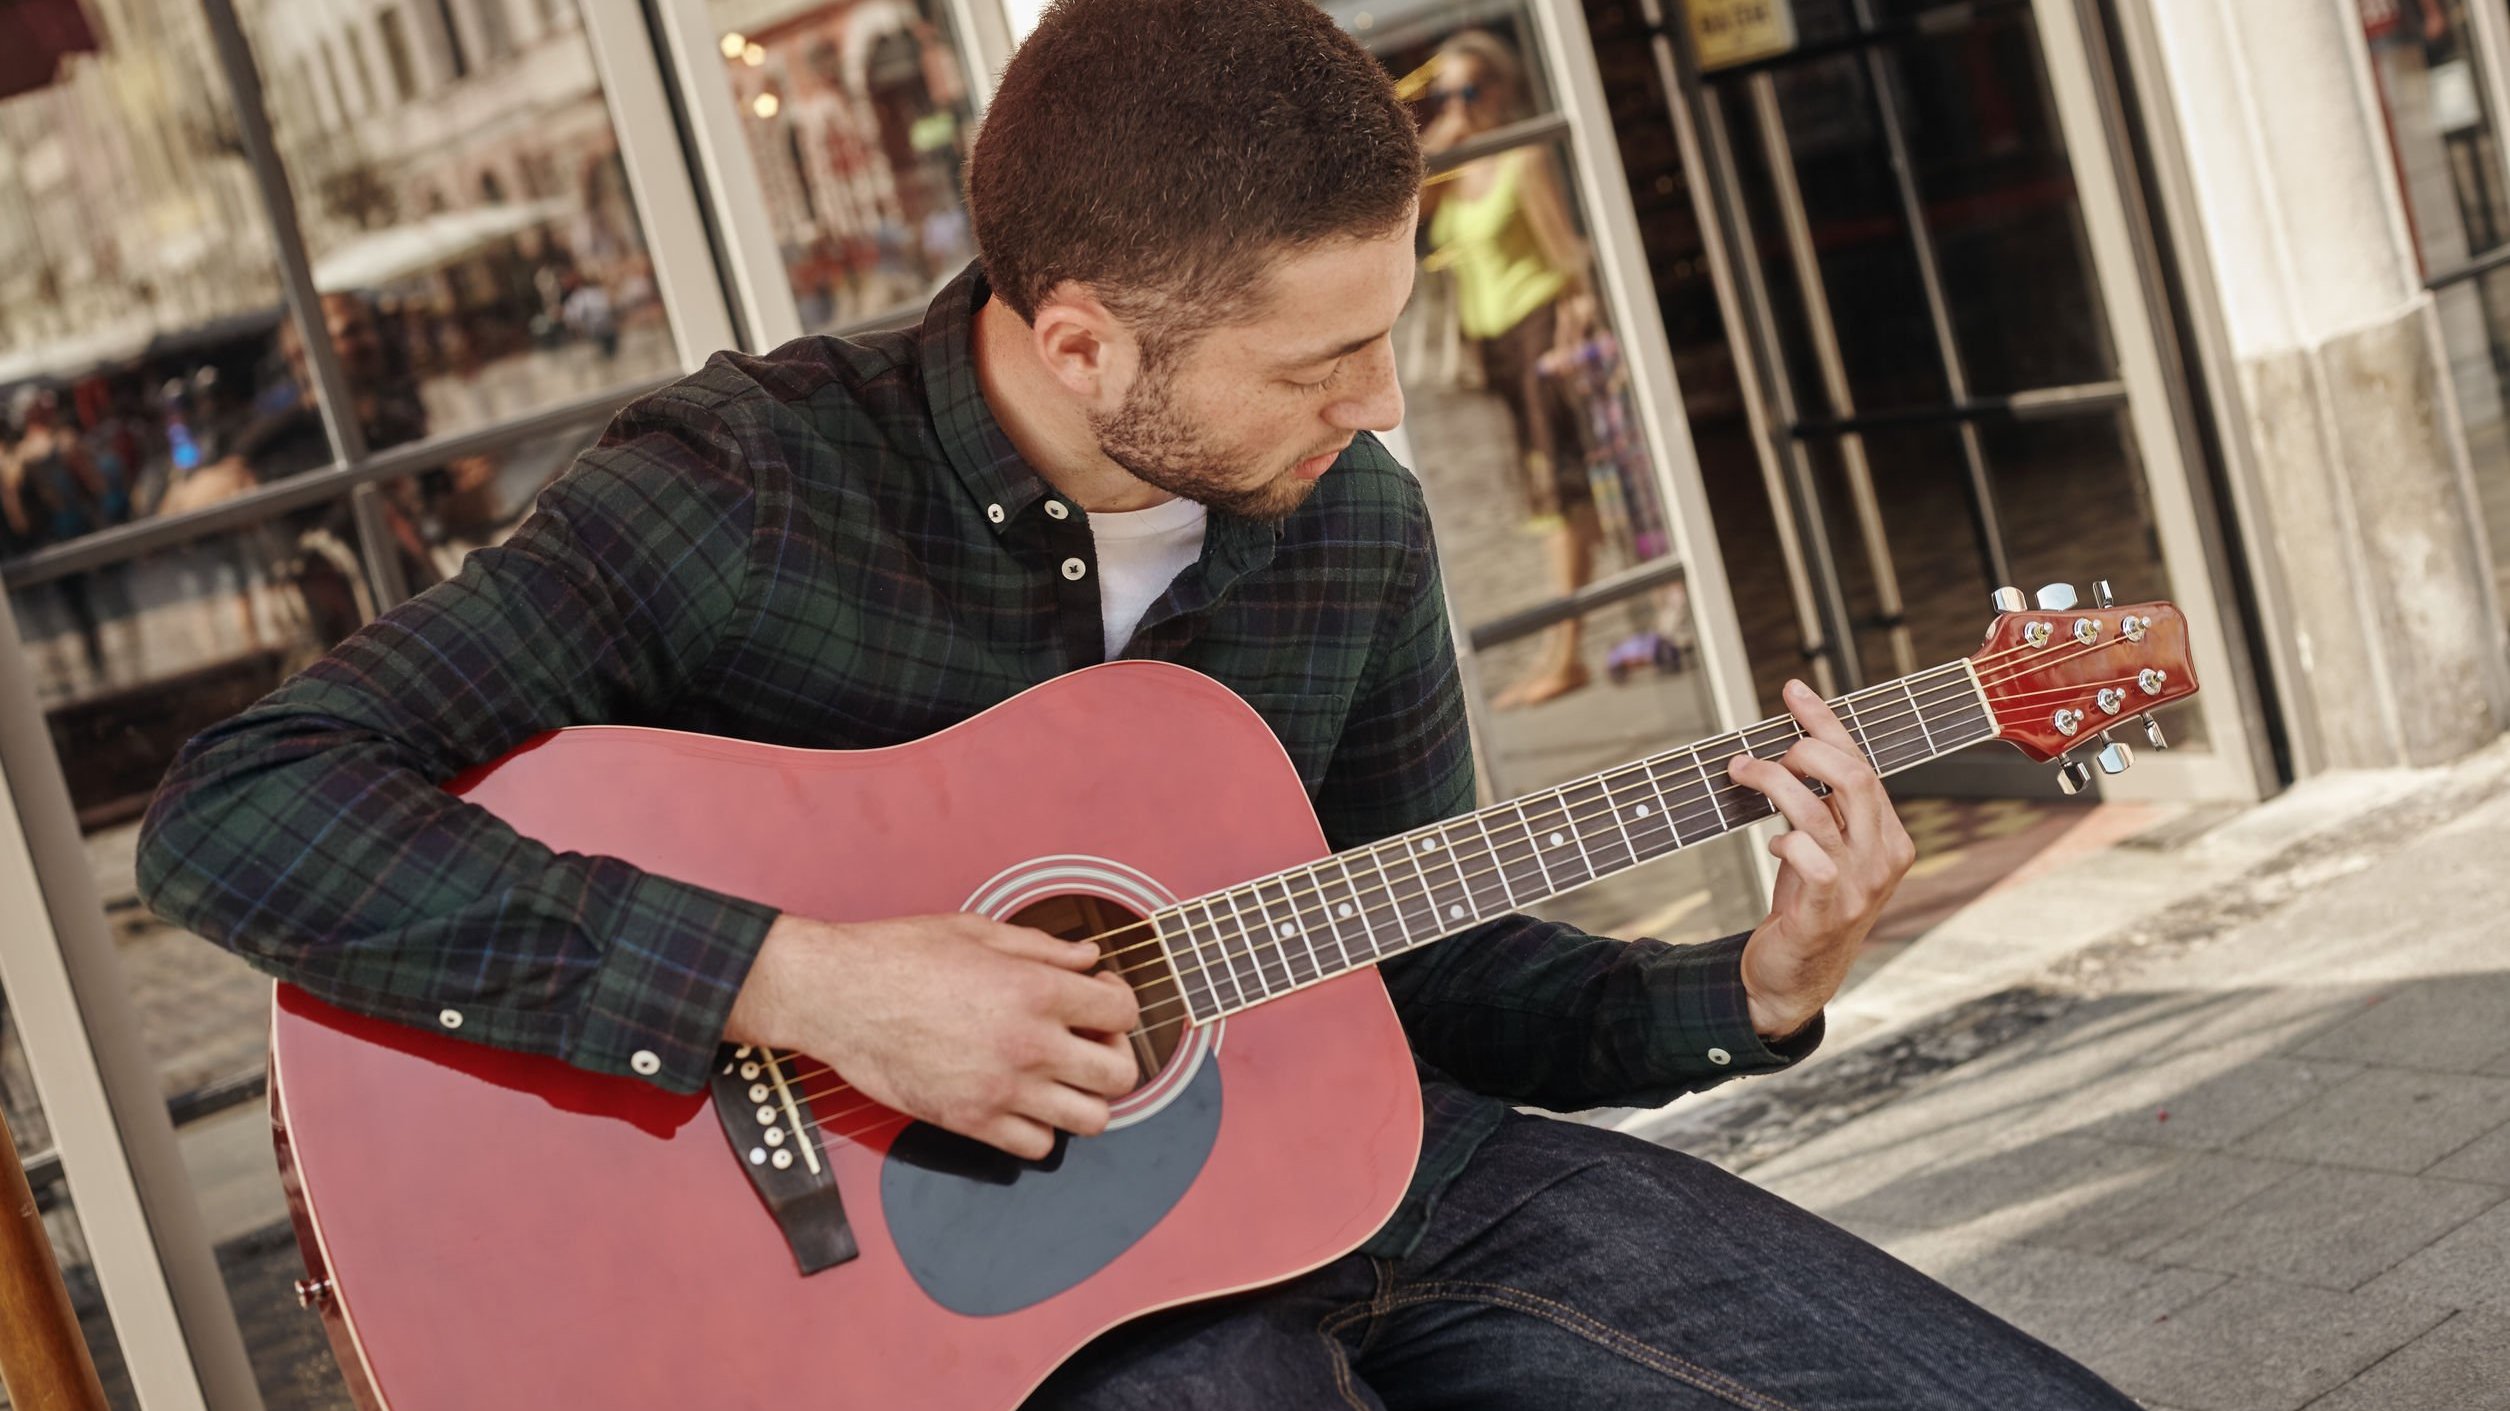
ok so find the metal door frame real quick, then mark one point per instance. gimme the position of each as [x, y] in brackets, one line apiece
[2234, 763]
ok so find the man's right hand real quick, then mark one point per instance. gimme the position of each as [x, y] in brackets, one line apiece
[993, 1031]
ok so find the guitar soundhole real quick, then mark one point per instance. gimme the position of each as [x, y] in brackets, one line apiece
[1129, 950]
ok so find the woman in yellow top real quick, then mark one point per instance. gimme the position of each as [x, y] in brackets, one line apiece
[1501, 225]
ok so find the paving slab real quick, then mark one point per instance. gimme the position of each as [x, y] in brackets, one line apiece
[2068, 1192]
[2261, 1345]
[2386, 1119]
[2457, 1027]
[2081, 1304]
[2332, 1228]
[2485, 1159]
[2468, 1268]
[2462, 1365]
[2201, 1101]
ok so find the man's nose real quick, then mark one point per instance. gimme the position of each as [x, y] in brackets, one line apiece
[1376, 399]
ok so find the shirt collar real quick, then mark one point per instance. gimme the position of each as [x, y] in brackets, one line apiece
[991, 468]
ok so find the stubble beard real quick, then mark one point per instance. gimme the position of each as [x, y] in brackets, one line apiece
[1151, 441]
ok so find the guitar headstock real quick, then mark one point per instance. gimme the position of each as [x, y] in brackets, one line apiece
[2059, 677]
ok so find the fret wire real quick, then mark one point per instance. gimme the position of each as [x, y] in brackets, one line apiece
[1377, 859]
[1664, 809]
[1299, 929]
[1711, 786]
[1906, 690]
[1856, 728]
[1324, 908]
[1498, 864]
[1220, 942]
[1463, 883]
[1429, 893]
[1254, 943]
[1614, 804]
[1359, 907]
[1577, 838]
[1536, 844]
[1185, 987]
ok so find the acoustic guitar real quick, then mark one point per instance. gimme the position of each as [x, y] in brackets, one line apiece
[486, 1229]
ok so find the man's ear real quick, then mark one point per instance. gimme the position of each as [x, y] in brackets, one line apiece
[1083, 345]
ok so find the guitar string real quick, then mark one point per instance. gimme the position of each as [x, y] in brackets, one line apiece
[1942, 692]
[1372, 897]
[1383, 892]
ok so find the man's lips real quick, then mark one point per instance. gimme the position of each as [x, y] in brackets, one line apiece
[1315, 466]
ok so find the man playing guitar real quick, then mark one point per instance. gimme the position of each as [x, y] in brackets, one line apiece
[1140, 426]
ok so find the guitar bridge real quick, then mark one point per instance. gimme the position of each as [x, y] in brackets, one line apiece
[768, 1121]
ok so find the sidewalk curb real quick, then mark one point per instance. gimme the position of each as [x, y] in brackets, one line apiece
[2016, 959]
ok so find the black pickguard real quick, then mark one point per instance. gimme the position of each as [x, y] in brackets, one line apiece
[986, 1233]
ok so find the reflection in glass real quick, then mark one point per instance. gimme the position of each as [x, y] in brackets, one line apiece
[223, 621]
[858, 120]
[33, 1137]
[2447, 143]
[468, 200]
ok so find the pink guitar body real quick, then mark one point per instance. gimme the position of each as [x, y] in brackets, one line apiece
[508, 1231]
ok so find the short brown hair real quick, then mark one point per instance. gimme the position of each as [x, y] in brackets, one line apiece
[1165, 152]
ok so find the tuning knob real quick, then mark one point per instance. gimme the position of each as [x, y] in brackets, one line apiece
[2152, 732]
[2074, 776]
[2056, 597]
[2008, 600]
[2100, 594]
[2115, 756]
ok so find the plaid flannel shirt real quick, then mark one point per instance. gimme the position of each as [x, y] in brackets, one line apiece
[836, 546]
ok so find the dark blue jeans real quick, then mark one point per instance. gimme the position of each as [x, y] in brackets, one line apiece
[1572, 1267]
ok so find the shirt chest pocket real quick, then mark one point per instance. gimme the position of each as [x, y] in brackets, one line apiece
[1308, 726]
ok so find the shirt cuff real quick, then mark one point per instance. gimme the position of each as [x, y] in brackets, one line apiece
[1720, 1038]
[674, 957]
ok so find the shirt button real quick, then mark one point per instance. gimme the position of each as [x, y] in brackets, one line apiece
[994, 513]
[451, 1018]
[1055, 510]
[1720, 1057]
[1074, 568]
[644, 1061]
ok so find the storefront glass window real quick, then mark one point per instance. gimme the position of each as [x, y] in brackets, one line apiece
[2431, 65]
[33, 1136]
[1522, 416]
[473, 234]
[859, 120]
[213, 625]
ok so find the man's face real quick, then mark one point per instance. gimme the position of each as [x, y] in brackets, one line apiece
[1247, 416]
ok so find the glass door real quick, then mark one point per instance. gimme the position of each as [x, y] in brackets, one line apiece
[1924, 262]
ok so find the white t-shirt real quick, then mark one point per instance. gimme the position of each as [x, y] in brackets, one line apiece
[1140, 552]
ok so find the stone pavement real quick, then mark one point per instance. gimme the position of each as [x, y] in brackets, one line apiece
[2243, 1146]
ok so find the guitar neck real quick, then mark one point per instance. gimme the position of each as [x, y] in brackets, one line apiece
[1235, 949]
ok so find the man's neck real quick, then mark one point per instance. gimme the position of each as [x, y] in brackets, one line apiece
[1050, 430]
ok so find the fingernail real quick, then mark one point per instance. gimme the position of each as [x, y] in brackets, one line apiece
[1798, 689]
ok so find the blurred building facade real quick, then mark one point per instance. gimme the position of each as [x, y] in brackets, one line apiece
[1889, 303]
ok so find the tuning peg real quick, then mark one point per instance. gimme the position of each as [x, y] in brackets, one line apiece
[2152, 732]
[2074, 776]
[2100, 594]
[2056, 597]
[2008, 600]
[2115, 756]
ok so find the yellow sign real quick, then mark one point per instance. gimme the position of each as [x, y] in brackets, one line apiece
[1729, 32]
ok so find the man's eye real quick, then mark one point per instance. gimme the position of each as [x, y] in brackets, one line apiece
[1319, 383]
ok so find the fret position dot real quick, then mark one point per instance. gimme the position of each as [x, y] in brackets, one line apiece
[1644, 810]
[1558, 838]
[1349, 910]
[1285, 930]
[1455, 912]
[1429, 845]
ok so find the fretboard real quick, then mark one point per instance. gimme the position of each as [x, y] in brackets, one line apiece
[1260, 940]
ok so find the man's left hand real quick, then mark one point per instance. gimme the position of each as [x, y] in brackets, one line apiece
[1837, 865]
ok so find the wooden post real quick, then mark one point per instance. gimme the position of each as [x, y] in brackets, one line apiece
[43, 1357]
